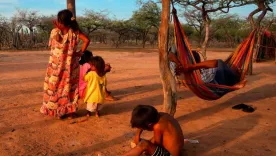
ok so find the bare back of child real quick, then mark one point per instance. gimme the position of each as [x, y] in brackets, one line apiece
[173, 139]
[168, 137]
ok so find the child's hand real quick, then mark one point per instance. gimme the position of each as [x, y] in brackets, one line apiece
[107, 68]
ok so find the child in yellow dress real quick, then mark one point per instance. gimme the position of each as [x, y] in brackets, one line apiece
[96, 85]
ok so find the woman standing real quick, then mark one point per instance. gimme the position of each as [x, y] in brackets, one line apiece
[62, 76]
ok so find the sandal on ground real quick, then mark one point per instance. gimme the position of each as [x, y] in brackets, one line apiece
[244, 108]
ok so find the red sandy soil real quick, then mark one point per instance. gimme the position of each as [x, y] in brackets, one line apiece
[135, 80]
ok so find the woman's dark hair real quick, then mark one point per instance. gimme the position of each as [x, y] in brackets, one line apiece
[196, 56]
[99, 64]
[86, 57]
[65, 17]
[143, 115]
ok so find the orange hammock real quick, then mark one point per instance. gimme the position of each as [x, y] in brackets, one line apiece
[238, 60]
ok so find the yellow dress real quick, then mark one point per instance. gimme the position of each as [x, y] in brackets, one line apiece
[95, 89]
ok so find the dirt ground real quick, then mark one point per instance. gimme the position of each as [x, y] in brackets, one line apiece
[135, 80]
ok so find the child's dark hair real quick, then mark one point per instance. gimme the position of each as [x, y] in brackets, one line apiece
[196, 56]
[86, 57]
[143, 115]
[99, 64]
[65, 17]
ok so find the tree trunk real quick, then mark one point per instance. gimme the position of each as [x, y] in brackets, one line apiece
[257, 25]
[275, 54]
[143, 44]
[168, 81]
[229, 38]
[205, 42]
[144, 39]
[71, 5]
[31, 44]
[136, 40]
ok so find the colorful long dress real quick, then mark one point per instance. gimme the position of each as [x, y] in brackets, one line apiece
[62, 76]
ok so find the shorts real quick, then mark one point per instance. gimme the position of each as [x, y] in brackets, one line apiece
[91, 107]
[225, 75]
[160, 151]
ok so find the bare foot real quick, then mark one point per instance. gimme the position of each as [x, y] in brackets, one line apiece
[110, 98]
[240, 84]
[88, 114]
[97, 114]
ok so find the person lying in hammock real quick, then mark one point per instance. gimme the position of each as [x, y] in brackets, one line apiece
[174, 62]
[212, 71]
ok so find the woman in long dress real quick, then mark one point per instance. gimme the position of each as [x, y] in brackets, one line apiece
[62, 76]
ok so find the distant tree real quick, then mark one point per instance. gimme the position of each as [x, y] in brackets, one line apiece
[122, 29]
[269, 23]
[44, 29]
[227, 27]
[29, 19]
[92, 21]
[4, 32]
[145, 18]
[205, 7]
[46, 23]
[153, 36]
[194, 19]
[15, 27]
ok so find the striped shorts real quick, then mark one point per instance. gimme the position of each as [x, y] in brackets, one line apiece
[160, 151]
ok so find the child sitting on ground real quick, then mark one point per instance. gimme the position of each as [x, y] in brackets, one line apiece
[168, 138]
[84, 67]
[96, 85]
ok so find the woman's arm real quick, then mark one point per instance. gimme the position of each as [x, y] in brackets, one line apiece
[107, 68]
[85, 40]
[189, 68]
[201, 65]
[205, 65]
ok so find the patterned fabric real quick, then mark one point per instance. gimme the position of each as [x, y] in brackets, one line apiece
[172, 64]
[82, 84]
[173, 68]
[159, 151]
[208, 75]
[61, 80]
